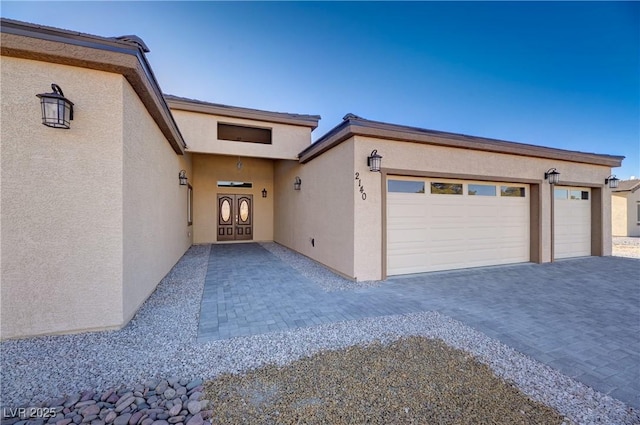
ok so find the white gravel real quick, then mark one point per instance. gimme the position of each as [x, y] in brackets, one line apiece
[161, 342]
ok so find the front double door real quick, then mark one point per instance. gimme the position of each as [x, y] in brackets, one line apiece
[235, 217]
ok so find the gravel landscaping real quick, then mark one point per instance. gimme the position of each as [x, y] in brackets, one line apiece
[160, 342]
[626, 247]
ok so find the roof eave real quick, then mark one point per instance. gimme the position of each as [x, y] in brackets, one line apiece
[137, 72]
[192, 105]
[374, 129]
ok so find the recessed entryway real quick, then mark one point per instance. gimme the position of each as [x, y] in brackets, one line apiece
[440, 224]
[235, 217]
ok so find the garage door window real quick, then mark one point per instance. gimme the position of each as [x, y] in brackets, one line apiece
[579, 195]
[406, 186]
[446, 188]
[512, 191]
[481, 190]
[560, 193]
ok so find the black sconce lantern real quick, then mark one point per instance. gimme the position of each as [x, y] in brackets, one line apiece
[297, 183]
[612, 181]
[57, 110]
[374, 161]
[552, 175]
[182, 176]
[264, 192]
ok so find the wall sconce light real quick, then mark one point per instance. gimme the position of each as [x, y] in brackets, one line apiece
[182, 176]
[264, 192]
[612, 181]
[57, 110]
[374, 161]
[552, 175]
[297, 183]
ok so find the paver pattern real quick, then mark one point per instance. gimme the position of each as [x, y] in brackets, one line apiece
[580, 316]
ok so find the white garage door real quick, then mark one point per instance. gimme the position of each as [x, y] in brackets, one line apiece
[572, 222]
[438, 224]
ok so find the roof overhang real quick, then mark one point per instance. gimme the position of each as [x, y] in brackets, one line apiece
[356, 126]
[192, 105]
[123, 56]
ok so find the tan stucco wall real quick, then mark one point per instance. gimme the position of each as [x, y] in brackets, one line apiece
[200, 131]
[156, 233]
[632, 213]
[208, 170]
[619, 214]
[61, 202]
[323, 209]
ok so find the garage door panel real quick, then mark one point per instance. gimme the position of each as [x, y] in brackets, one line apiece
[572, 223]
[456, 231]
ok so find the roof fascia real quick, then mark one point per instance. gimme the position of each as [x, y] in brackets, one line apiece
[375, 129]
[190, 105]
[137, 72]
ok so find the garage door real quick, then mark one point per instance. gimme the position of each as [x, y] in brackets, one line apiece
[572, 222]
[438, 224]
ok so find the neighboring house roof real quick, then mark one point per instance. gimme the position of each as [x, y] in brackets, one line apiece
[124, 55]
[353, 125]
[628, 186]
[193, 105]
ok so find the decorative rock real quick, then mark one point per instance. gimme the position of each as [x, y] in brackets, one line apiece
[169, 393]
[206, 414]
[124, 397]
[196, 420]
[162, 386]
[147, 421]
[113, 398]
[77, 419]
[180, 391]
[173, 381]
[152, 399]
[97, 422]
[87, 395]
[135, 418]
[196, 382]
[195, 396]
[90, 410]
[175, 419]
[122, 419]
[194, 407]
[162, 416]
[175, 409]
[183, 381]
[72, 400]
[110, 417]
[105, 395]
[124, 404]
[143, 406]
[87, 419]
[160, 422]
[58, 401]
[65, 421]
[151, 383]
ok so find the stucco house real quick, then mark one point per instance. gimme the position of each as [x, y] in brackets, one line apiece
[95, 215]
[625, 208]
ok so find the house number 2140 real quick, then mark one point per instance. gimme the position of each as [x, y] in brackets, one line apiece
[361, 187]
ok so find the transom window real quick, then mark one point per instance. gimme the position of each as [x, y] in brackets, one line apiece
[481, 190]
[241, 133]
[406, 186]
[446, 188]
[222, 183]
[513, 191]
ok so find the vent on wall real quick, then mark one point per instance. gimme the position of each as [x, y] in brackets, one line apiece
[240, 133]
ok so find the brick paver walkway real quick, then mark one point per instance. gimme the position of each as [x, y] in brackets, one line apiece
[580, 316]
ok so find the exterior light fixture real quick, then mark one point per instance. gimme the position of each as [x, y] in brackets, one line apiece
[552, 175]
[182, 176]
[297, 183]
[264, 192]
[57, 110]
[374, 161]
[612, 181]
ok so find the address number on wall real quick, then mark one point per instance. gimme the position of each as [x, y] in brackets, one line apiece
[363, 194]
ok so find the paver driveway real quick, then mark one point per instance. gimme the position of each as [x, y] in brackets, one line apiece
[581, 316]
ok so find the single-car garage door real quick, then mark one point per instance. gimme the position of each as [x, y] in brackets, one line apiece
[571, 222]
[438, 224]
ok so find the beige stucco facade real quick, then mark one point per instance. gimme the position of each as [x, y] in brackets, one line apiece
[625, 209]
[93, 217]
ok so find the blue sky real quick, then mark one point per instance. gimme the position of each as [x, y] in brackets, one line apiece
[564, 75]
